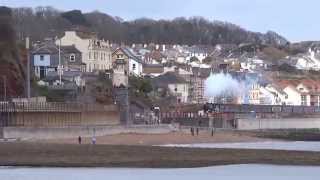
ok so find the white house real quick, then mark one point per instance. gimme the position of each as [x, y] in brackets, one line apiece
[96, 53]
[176, 85]
[294, 96]
[280, 96]
[125, 63]
[198, 53]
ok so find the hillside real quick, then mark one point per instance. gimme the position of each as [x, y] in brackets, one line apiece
[11, 69]
[47, 21]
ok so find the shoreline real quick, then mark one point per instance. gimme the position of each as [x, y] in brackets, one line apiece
[109, 156]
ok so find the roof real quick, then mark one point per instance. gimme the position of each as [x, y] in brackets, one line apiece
[201, 72]
[46, 48]
[168, 78]
[312, 85]
[51, 48]
[153, 69]
[70, 49]
[129, 53]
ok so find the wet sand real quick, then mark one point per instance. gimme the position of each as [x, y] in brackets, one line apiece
[163, 139]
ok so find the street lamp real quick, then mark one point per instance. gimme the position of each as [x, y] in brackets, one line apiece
[28, 68]
[4, 78]
[59, 66]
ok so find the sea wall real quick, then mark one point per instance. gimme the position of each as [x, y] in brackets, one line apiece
[282, 123]
[75, 131]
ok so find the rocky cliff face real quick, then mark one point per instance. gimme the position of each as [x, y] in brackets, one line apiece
[11, 69]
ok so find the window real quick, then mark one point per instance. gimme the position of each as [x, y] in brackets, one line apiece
[89, 55]
[303, 100]
[72, 58]
[41, 57]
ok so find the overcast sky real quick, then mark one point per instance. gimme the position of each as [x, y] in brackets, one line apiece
[297, 20]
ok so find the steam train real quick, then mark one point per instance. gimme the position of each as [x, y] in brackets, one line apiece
[248, 108]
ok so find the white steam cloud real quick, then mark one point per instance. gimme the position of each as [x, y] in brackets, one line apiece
[222, 85]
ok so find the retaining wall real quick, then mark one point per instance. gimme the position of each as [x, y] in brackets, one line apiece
[75, 131]
[284, 123]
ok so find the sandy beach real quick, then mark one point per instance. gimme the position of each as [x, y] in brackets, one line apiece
[163, 139]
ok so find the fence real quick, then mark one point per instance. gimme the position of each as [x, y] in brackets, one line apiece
[216, 120]
[56, 114]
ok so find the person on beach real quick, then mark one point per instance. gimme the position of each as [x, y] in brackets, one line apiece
[94, 140]
[79, 139]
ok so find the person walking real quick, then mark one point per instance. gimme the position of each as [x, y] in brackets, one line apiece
[94, 140]
[197, 131]
[79, 139]
[192, 131]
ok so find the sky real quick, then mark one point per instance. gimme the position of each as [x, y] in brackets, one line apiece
[296, 20]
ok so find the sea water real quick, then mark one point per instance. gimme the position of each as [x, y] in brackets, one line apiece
[231, 172]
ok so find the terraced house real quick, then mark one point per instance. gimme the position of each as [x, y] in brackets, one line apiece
[96, 53]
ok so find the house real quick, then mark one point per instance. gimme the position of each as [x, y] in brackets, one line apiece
[198, 52]
[45, 58]
[153, 70]
[254, 94]
[302, 92]
[176, 85]
[154, 57]
[281, 97]
[135, 64]
[96, 53]
[125, 63]
[295, 97]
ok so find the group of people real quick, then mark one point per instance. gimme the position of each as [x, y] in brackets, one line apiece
[93, 140]
[196, 131]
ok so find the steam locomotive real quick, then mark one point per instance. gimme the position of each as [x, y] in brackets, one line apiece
[248, 108]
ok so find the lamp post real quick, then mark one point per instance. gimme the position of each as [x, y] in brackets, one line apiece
[28, 68]
[59, 66]
[4, 78]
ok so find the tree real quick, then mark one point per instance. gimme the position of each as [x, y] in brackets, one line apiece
[40, 23]
[140, 86]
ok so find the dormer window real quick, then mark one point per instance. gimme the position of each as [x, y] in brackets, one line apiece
[72, 58]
